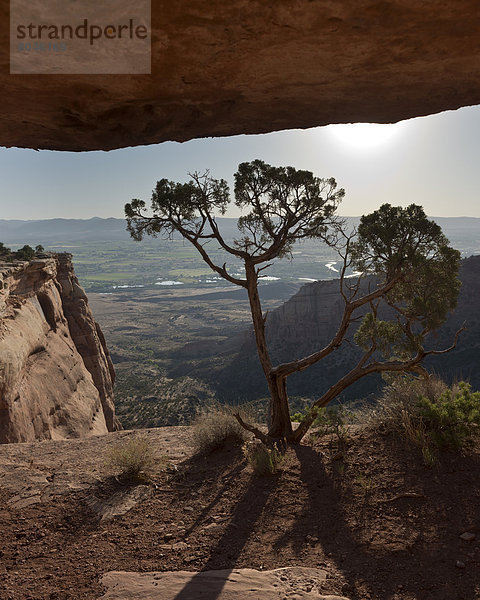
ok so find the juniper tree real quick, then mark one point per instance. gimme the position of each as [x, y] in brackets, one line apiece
[404, 260]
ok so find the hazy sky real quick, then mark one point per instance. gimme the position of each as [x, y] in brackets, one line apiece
[432, 161]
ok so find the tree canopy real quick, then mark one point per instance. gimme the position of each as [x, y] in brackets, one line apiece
[26, 252]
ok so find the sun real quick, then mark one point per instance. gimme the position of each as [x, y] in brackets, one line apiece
[364, 135]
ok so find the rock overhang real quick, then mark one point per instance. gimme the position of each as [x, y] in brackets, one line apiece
[251, 66]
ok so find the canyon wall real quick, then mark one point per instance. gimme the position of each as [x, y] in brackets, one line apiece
[310, 318]
[56, 376]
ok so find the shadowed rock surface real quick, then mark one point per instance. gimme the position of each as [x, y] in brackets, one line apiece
[56, 376]
[250, 67]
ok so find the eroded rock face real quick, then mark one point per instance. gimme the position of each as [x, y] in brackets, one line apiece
[224, 68]
[56, 377]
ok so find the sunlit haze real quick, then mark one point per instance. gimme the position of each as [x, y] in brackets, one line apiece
[432, 161]
[365, 135]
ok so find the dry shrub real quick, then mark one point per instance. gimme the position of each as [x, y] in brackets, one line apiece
[134, 460]
[397, 408]
[214, 427]
[263, 460]
[428, 414]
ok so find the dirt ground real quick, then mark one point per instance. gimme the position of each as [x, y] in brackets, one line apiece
[382, 524]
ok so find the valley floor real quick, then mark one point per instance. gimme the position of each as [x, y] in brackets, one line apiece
[382, 524]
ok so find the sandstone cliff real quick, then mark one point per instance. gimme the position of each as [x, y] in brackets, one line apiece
[56, 376]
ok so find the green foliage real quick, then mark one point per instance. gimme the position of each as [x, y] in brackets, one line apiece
[331, 420]
[334, 421]
[25, 253]
[282, 199]
[451, 420]
[388, 336]
[214, 427]
[428, 413]
[402, 246]
[392, 239]
[134, 460]
[263, 460]
[282, 205]
[4, 251]
[297, 417]
[178, 207]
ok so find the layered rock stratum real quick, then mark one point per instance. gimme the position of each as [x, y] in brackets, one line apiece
[56, 376]
[248, 66]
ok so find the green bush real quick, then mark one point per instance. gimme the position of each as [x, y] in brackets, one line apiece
[25, 253]
[451, 420]
[334, 420]
[428, 413]
[4, 251]
[134, 460]
[263, 460]
[214, 427]
[297, 417]
[399, 403]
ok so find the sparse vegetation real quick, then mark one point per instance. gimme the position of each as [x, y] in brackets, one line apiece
[134, 460]
[365, 482]
[263, 460]
[214, 427]
[26, 252]
[217, 514]
[334, 421]
[429, 414]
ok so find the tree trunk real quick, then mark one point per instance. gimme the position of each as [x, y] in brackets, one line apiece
[280, 425]
[279, 422]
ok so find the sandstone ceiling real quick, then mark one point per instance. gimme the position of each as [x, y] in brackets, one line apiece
[249, 66]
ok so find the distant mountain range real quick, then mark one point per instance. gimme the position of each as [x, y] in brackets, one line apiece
[49, 231]
[463, 232]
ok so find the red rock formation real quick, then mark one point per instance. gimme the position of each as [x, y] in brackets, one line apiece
[56, 377]
[245, 66]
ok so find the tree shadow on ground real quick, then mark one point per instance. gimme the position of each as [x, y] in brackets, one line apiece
[365, 537]
[242, 523]
[407, 561]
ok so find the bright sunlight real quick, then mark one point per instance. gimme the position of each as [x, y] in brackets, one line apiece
[364, 135]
